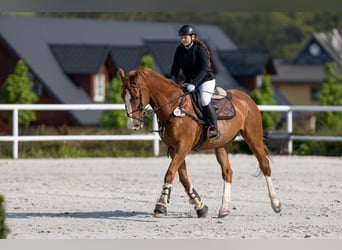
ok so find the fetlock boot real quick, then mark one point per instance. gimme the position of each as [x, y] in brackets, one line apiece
[210, 115]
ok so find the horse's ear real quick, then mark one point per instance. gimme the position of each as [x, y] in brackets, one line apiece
[121, 73]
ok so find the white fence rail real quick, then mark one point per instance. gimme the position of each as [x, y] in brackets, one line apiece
[289, 121]
[16, 138]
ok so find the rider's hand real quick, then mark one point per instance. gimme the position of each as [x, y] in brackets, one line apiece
[190, 87]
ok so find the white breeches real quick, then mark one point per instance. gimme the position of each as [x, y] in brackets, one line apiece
[206, 90]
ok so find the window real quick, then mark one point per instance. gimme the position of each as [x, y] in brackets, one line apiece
[259, 81]
[99, 87]
[314, 94]
[38, 88]
[314, 49]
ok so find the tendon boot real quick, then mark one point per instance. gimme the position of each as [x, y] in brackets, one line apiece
[210, 116]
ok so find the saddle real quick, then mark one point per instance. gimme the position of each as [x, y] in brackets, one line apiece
[223, 107]
[221, 102]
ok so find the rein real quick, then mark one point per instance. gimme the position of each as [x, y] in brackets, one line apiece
[179, 111]
[171, 101]
[179, 108]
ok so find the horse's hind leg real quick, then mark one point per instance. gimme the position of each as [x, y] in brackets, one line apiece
[227, 174]
[254, 138]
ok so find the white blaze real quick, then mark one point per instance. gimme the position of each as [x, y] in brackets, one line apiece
[129, 110]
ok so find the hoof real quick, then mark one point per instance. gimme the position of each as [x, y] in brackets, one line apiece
[203, 212]
[223, 213]
[160, 211]
[277, 208]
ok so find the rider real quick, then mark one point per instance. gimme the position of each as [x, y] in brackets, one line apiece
[193, 57]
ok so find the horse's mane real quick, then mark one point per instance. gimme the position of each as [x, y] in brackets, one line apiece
[146, 73]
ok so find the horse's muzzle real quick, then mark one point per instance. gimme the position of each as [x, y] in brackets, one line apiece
[134, 124]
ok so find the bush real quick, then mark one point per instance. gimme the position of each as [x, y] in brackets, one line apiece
[4, 230]
[317, 148]
[265, 96]
[324, 148]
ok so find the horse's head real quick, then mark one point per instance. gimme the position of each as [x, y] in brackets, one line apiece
[132, 95]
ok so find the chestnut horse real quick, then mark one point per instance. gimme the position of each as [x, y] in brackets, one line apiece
[181, 133]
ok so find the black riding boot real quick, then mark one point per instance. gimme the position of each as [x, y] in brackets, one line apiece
[210, 116]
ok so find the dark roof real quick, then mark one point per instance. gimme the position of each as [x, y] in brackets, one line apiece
[77, 59]
[163, 52]
[128, 57]
[328, 43]
[247, 62]
[296, 73]
[305, 57]
[31, 39]
[332, 43]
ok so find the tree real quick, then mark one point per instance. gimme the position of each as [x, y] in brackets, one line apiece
[17, 89]
[265, 96]
[147, 62]
[331, 94]
[114, 119]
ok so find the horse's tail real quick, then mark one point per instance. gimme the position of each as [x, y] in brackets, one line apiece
[267, 150]
[268, 154]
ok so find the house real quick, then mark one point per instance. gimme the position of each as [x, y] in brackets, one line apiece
[71, 60]
[248, 66]
[299, 80]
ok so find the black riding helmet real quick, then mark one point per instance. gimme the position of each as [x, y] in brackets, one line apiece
[186, 30]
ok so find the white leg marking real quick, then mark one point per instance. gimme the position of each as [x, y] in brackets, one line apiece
[224, 210]
[275, 203]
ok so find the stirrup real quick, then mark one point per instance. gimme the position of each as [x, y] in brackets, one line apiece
[213, 132]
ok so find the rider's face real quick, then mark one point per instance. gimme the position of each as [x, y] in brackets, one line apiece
[186, 40]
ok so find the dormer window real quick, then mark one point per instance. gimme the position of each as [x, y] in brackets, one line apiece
[314, 49]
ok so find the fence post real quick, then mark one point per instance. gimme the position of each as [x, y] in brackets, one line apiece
[290, 130]
[15, 129]
[156, 138]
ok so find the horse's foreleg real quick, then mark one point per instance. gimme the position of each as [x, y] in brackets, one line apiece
[227, 174]
[164, 199]
[194, 198]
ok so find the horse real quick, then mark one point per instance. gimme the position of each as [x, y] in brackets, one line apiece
[143, 87]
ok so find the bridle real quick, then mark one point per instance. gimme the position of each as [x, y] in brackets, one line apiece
[140, 107]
